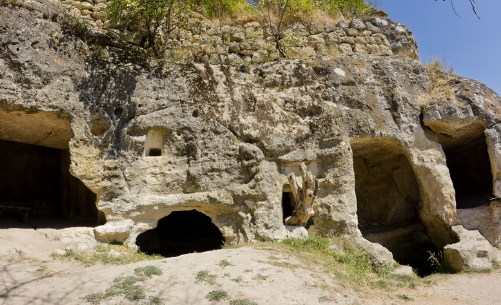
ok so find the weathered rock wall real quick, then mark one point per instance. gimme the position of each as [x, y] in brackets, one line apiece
[222, 138]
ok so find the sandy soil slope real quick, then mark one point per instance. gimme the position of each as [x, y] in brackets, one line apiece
[263, 276]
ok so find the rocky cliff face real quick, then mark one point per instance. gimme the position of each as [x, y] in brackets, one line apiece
[396, 147]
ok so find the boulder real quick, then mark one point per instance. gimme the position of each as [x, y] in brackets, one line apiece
[472, 252]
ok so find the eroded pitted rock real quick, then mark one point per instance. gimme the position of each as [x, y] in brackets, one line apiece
[221, 139]
[401, 38]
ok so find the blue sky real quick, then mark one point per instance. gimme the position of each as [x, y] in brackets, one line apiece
[472, 47]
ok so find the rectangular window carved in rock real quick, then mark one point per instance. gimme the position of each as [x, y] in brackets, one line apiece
[154, 144]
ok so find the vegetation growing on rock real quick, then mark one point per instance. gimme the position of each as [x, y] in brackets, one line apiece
[160, 18]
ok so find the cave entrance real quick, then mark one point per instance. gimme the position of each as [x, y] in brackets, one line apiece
[181, 232]
[470, 170]
[388, 201]
[288, 205]
[37, 179]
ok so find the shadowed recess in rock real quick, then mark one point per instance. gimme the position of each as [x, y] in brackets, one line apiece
[38, 178]
[288, 205]
[388, 201]
[180, 233]
[470, 171]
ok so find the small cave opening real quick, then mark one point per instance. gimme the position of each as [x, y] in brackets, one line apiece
[470, 169]
[388, 199]
[288, 205]
[181, 232]
[36, 187]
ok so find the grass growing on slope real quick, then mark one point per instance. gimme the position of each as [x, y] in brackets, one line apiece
[107, 254]
[342, 258]
[128, 286]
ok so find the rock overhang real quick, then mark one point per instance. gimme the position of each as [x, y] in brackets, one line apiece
[240, 130]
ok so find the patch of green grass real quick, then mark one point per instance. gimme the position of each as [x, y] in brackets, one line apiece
[283, 264]
[217, 295]
[312, 243]
[128, 287]
[237, 279]
[242, 302]
[147, 271]
[324, 299]
[478, 270]
[405, 297]
[247, 270]
[206, 276]
[410, 281]
[260, 277]
[495, 264]
[225, 263]
[356, 265]
[341, 257]
[94, 298]
[101, 254]
[155, 301]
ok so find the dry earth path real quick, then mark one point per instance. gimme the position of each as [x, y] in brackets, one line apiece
[28, 275]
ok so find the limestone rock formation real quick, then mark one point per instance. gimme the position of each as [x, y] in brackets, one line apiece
[472, 251]
[396, 147]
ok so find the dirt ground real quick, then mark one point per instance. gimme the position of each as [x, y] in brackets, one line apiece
[30, 276]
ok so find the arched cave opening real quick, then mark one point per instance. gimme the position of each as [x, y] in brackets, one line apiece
[181, 232]
[470, 169]
[388, 199]
[36, 185]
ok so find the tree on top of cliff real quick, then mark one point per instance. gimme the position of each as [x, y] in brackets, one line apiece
[151, 15]
[165, 16]
[159, 18]
[279, 14]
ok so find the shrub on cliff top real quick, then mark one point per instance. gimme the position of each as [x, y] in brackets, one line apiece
[222, 9]
[166, 16]
[151, 16]
[347, 8]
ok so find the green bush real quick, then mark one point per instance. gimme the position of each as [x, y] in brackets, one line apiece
[217, 295]
[152, 16]
[347, 8]
[221, 8]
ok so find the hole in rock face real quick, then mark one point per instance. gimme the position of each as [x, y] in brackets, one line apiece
[155, 152]
[388, 201]
[180, 233]
[154, 143]
[118, 112]
[37, 180]
[470, 171]
[99, 127]
[288, 204]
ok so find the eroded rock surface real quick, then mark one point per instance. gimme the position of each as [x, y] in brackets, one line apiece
[221, 139]
[472, 251]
